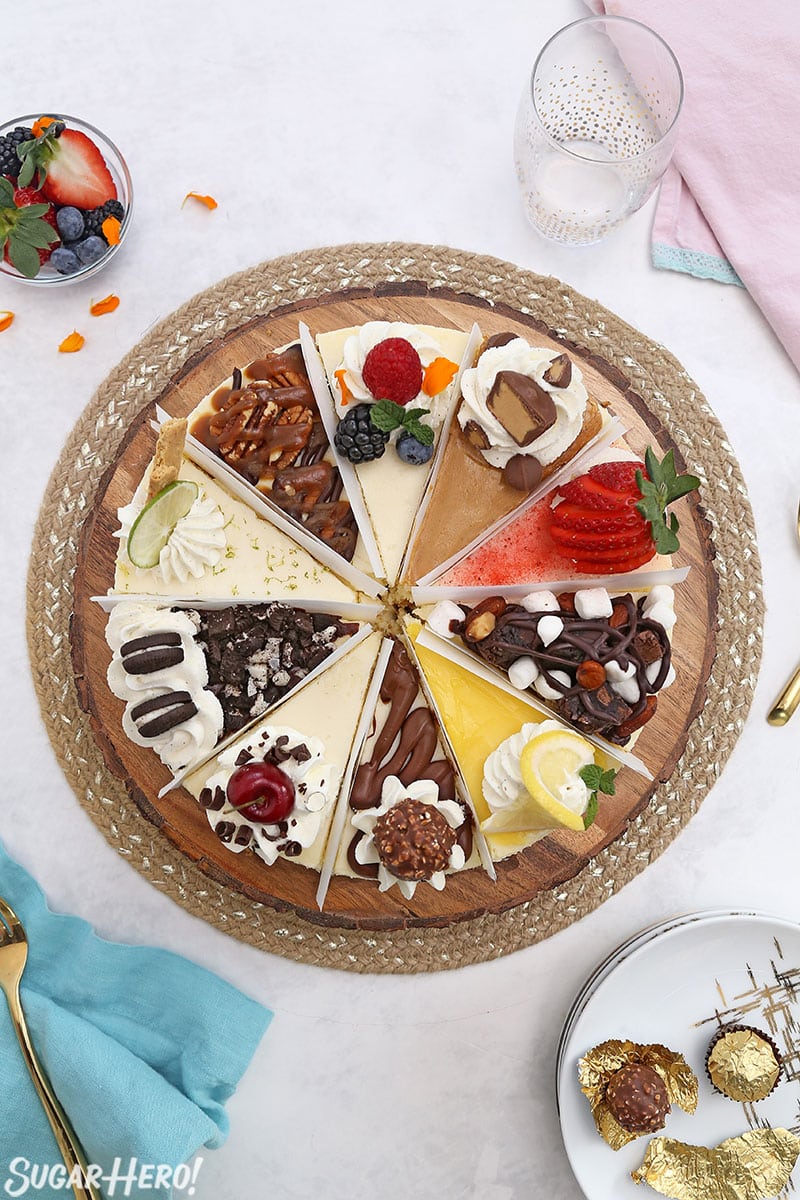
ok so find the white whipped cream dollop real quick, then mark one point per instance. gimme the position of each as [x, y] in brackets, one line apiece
[193, 739]
[518, 355]
[502, 778]
[393, 791]
[312, 787]
[195, 546]
[358, 346]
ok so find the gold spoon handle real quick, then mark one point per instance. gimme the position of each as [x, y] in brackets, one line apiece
[787, 702]
[67, 1139]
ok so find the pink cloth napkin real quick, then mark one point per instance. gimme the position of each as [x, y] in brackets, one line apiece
[729, 207]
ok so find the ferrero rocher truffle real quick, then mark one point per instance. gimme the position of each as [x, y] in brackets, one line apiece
[614, 1077]
[743, 1063]
[414, 840]
[637, 1097]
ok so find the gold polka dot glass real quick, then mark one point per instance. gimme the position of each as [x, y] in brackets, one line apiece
[596, 127]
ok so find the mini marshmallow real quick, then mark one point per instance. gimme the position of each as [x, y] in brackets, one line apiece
[651, 672]
[549, 628]
[523, 672]
[660, 594]
[442, 616]
[623, 680]
[546, 691]
[627, 690]
[670, 678]
[616, 673]
[540, 602]
[591, 603]
[663, 613]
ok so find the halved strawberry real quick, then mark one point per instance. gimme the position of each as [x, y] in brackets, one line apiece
[77, 174]
[621, 476]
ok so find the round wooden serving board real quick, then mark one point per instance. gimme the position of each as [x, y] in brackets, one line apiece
[354, 903]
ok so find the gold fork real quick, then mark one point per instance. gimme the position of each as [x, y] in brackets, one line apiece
[13, 956]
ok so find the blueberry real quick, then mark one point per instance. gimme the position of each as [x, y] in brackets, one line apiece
[65, 261]
[91, 250]
[412, 451]
[70, 223]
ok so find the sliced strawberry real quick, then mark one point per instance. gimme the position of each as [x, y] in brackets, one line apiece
[592, 494]
[77, 174]
[575, 516]
[576, 540]
[621, 476]
[612, 561]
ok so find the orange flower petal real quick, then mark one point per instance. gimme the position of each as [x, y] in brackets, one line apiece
[6, 317]
[73, 342]
[347, 395]
[438, 375]
[110, 228]
[40, 125]
[101, 307]
[209, 201]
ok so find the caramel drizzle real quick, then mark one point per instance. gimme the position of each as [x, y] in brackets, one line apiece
[414, 730]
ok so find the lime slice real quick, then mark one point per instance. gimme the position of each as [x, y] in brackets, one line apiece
[151, 530]
[547, 763]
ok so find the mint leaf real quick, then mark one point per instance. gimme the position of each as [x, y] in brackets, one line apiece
[597, 780]
[416, 412]
[386, 415]
[591, 811]
[660, 489]
[592, 776]
[608, 782]
[423, 433]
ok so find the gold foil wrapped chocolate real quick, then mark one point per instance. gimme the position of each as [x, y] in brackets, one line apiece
[598, 1066]
[750, 1167]
[743, 1064]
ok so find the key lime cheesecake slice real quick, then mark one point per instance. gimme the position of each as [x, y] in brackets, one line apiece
[273, 791]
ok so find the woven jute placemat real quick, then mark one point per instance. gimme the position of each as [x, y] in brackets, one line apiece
[141, 377]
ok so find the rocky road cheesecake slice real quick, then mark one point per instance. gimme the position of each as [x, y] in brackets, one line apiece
[273, 791]
[191, 676]
[407, 823]
[394, 388]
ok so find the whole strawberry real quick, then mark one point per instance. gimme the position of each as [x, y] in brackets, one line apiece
[27, 228]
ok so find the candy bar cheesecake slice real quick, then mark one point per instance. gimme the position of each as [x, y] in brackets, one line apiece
[191, 676]
[406, 820]
[184, 534]
[524, 413]
[394, 386]
[598, 660]
[273, 791]
[527, 776]
[263, 423]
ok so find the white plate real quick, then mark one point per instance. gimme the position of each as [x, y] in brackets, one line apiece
[676, 987]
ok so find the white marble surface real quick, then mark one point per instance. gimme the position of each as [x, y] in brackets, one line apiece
[315, 124]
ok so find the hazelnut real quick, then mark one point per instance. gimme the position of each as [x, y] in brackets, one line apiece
[591, 674]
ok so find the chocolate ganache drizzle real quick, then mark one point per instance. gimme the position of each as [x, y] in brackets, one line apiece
[268, 429]
[582, 651]
[405, 747]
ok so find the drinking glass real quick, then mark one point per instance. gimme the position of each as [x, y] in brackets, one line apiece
[596, 127]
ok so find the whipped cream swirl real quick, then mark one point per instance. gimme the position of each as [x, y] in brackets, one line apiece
[311, 777]
[358, 346]
[518, 355]
[393, 791]
[195, 546]
[192, 739]
[502, 779]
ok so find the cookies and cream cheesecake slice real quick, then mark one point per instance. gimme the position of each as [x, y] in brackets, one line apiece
[394, 387]
[185, 534]
[191, 675]
[523, 414]
[407, 822]
[273, 790]
[527, 776]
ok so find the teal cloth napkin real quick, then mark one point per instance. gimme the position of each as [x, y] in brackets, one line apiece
[142, 1047]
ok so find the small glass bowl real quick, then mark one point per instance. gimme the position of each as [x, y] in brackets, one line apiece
[48, 276]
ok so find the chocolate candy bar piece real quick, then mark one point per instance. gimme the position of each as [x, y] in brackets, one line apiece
[523, 408]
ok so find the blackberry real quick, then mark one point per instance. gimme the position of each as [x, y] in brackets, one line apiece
[357, 438]
[9, 162]
[93, 217]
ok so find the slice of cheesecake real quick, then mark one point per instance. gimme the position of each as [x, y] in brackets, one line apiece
[415, 368]
[273, 791]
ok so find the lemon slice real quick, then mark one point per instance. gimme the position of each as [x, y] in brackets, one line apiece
[151, 530]
[547, 763]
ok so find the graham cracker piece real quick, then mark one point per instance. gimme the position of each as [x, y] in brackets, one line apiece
[168, 456]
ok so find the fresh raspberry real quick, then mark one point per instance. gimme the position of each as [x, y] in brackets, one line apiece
[620, 476]
[392, 371]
